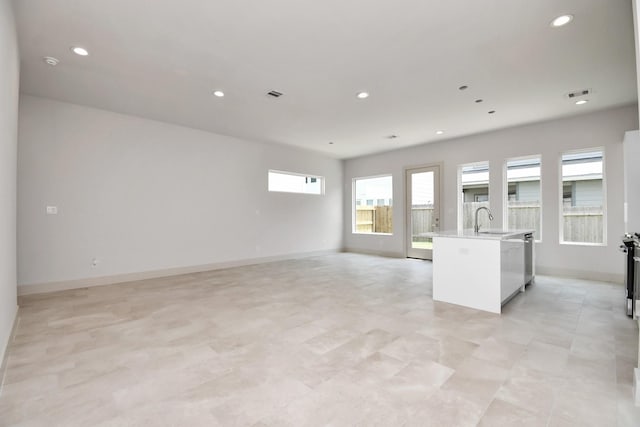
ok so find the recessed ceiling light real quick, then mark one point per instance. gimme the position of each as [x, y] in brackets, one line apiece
[492, 112]
[463, 87]
[582, 102]
[362, 95]
[561, 21]
[50, 60]
[439, 132]
[218, 93]
[80, 51]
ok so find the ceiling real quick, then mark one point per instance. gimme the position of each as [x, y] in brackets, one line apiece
[161, 59]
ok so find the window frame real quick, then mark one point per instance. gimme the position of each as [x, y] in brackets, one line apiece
[505, 199]
[353, 205]
[561, 240]
[305, 175]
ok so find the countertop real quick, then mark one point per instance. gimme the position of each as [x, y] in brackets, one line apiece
[487, 233]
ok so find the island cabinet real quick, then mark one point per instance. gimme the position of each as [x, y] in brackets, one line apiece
[480, 270]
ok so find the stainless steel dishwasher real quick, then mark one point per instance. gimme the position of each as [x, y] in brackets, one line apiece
[528, 258]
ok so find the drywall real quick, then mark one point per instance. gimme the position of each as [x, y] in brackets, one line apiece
[549, 139]
[8, 142]
[636, 24]
[631, 152]
[137, 195]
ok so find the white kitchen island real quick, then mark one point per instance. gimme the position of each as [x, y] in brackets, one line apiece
[479, 270]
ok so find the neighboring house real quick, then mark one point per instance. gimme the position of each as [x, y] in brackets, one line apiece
[374, 202]
[582, 181]
[523, 177]
[524, 191]
[475, 183]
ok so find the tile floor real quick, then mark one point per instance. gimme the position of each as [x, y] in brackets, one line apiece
[340, 340]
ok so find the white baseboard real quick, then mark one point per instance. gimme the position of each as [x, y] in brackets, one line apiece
[374, 252]
[4, 346]
[40, 288]
[580, 274]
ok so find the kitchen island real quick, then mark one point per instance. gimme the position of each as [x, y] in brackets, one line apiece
[481, 270]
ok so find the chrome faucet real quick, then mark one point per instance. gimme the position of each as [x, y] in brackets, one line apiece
[476, 226]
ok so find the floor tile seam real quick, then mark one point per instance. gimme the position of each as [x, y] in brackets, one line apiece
[521, 407]
[524, 405]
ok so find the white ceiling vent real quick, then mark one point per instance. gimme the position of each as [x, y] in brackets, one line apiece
[578, 93]
[275, 94]
[50, 60]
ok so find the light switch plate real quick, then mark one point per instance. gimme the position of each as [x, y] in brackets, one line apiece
[52, 210]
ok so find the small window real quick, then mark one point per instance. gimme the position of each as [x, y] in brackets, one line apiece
[290, 182]
[372, 208]
[473, 193]
[524, 201]
[582, 212]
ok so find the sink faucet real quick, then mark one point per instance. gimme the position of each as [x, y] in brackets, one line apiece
[476, 226]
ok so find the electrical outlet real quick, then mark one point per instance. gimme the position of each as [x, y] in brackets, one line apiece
[52, 210]
[94, 262]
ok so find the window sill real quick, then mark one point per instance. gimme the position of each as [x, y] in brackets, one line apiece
[583, 244]
[371, 234]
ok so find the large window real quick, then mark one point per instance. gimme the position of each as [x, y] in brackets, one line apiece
[583, 198]
[523, 201]
[474, 193]
[373, 205]
[289, 182]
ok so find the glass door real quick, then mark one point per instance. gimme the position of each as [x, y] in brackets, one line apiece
[423, 210]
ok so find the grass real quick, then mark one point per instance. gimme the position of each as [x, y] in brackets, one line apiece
[422, 245]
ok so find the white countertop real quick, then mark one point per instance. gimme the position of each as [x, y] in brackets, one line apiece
[487, 233]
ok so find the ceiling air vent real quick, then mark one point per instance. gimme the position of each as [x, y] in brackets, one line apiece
[578, 93]
[275, 94]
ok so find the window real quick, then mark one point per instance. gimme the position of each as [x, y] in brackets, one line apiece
[473, 193]
[582, 213]
[290, 182]
[373, 211]
[524, 201]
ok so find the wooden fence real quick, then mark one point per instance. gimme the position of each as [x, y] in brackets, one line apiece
[378, 219]
[422, 222]
[523, 215]
[468, 215]
[581, 224]
[374, 219]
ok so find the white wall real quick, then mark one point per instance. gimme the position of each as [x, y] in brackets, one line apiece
[141, 195]
[602, 129]
[9, 64]
[631, 152]
[636, 26]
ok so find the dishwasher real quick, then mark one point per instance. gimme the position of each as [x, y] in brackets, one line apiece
[528, 258]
